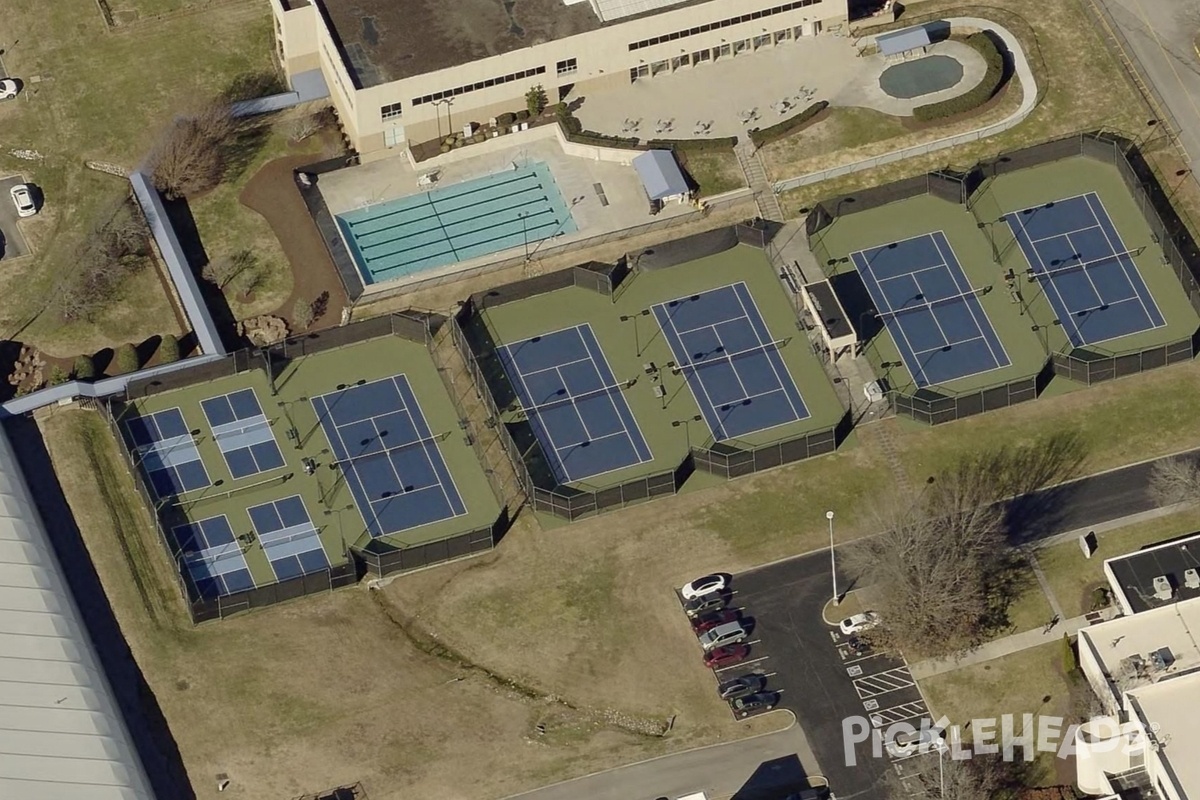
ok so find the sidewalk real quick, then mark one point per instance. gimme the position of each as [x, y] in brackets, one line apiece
[999, 648]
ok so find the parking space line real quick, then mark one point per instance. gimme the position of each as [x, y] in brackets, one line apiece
[742, 664]
[860, 659]
[899, 713]
[883, 682]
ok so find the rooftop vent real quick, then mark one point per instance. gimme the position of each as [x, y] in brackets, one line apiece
[1191, 578]
[1161, 659]
[1162, 588]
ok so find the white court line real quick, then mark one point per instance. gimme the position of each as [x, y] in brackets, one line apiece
[1043, 279]
[758, 336]
[683, 358]
[954, 273]
[957, 342]
[1124, 270]
[612, 398]
[914, 369]
[425, 444]
[554, 367]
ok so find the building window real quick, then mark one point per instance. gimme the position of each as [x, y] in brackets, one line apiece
[567, 67]
[725, 23]
[516, 76]
[389, 111]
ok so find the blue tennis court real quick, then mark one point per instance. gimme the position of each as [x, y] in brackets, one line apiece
[514, 208]
[574, 404]
[243, 433]
[288, 537]
[388, 455]
[1089, 275]
[931, 310]
[733, 367]
[213, 557]
[164, 447]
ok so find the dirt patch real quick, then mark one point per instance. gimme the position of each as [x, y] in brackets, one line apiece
[272, 193]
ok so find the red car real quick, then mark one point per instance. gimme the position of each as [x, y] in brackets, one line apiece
[726, 656]
[710, 621]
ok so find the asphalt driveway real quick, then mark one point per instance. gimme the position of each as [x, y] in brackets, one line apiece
[15, 244]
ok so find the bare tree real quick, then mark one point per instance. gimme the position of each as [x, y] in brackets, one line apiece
[223, 269]
[299, 128]
[116, 246]
[977, 778]
[1175, 480]
[303, 314]
[944, 571]
[189, 157]
[247, 279]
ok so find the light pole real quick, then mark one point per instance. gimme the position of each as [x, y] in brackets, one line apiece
[687, 428]
[637, 343]
[832, 558]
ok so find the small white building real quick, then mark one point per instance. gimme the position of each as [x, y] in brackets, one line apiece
[661, 177]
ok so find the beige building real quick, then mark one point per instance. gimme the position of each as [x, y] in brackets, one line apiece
[413, 70]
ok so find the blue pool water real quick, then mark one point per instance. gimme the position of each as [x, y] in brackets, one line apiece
[457, 222]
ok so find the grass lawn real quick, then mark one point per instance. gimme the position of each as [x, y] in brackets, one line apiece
[365, 697]
[1073, 577]
[1028, 682]
[1114, 423]
[715, 173]
[227, 227]
[1081, 87]
[104, 102]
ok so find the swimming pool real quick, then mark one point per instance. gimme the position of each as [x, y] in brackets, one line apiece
[421, 232]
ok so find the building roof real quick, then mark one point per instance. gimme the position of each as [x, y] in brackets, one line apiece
[388, 40]
[1168, 710]
[833, 316]
[660, 174]
[609, 10]
[1132, 575]
[1146, 648]
[61, 733]
[896, 42]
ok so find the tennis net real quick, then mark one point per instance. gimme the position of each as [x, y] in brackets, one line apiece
[717, 356]
[387, 451]
[573, 399]
[1079, 266]
[941, 301]
[282, 536]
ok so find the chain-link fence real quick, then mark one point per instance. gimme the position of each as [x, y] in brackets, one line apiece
[732, 459]
[477, 347]
[381, 557]
[933, 407]
[544, 250]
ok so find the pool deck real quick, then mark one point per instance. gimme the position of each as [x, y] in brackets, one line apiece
[388, 179]
[864, 89]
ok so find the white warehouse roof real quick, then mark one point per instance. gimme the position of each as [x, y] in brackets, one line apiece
[61, 733]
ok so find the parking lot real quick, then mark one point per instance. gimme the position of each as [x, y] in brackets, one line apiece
[828, 679]
[756, 663]
[13, 244]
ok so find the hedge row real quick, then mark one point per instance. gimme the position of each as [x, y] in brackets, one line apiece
[985, 90]
[603, 140]
[763, 136]
[720, 144]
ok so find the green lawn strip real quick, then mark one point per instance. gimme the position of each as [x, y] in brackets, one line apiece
[1028, 682]
[716, 173]
[1073, 577]
[1116, 423]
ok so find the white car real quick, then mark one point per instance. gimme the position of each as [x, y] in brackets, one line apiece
[8, 88]
[926, 740]
[859, 623]
[22, 198]
[709, 584]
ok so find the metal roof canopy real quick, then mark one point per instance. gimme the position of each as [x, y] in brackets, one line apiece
[896, 42]
[61, 732]
[660, 174]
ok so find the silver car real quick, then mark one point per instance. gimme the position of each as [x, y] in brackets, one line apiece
[729, 633]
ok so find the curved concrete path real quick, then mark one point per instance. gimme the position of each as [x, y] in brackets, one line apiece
[1029, 101]
[778, 759]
